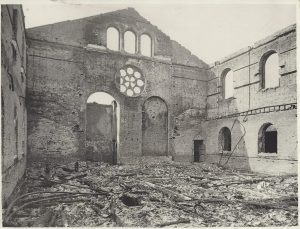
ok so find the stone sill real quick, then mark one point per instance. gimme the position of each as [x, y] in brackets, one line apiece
[269, 89]
[228, 100]
[266, 155]
[225, 152]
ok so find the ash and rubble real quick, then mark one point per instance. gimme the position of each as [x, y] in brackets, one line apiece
[151, 194]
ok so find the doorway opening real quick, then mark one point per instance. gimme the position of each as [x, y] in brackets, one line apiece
[225, 139]
[102, 128]
[267, 139]
[199, 151]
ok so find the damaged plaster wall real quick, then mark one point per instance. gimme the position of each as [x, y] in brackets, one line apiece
[249, 96]
[68, 61]
[189, 90]
[13, 108]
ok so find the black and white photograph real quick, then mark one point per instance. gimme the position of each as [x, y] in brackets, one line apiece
[175, 113]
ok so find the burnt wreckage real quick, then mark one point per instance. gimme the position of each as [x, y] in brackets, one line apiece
[165, 104]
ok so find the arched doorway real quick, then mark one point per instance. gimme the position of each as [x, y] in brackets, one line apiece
[155, 127]
[267, 139]
[225, 139]
[102, 128]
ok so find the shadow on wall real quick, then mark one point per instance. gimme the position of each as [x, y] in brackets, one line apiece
[225, 143]
[231, 146]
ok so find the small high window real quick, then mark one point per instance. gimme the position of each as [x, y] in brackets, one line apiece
[130, 42]
[270, 71]
[227, 81]
[267, 139]
[146, 45]
[112, 39]
[225, 139]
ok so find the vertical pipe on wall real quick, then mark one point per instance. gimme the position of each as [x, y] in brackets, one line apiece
[114, 132]
[249, 77]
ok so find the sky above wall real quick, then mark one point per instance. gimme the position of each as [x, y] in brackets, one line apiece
[209, 31]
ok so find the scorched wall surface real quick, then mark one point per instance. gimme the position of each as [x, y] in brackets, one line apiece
[13, 106]
[69, 61]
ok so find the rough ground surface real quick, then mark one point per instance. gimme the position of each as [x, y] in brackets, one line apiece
[155, 194]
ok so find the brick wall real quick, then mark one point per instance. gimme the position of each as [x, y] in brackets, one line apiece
[66, 68]
[68, 61]
[13, 108]
[99, 132]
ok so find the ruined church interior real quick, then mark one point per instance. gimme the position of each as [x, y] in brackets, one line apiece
[107, 121]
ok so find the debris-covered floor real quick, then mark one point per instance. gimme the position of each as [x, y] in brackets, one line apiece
[153, 195]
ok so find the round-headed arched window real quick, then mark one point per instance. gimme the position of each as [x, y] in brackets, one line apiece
[270, 71]
[227, 83]
[267, 139]
[146, 45]
[130, 42]
[225, 139]
[112, 38]
[130, 81]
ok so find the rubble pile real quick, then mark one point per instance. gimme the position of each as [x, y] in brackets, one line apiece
[157, 194]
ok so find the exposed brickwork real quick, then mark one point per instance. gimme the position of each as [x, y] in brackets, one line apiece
[13, 86]
[99, 132]
[69, 61]
[155, 127]
[65, 70]
[72, 67]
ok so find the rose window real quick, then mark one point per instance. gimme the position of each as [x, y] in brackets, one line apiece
[131, 81]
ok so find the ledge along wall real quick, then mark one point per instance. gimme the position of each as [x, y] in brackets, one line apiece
[250, 98]
[69, 61]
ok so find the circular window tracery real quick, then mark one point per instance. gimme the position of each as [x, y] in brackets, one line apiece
[130, 80]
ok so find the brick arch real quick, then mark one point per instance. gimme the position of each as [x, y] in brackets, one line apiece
[224, 139]
[266, 140]
[224, 77]
[102, 127]
[262, 64]
[143, 47]
[109, 43]
[155, 127]
[125, 42]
